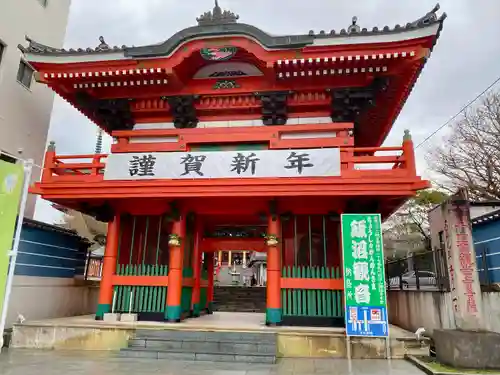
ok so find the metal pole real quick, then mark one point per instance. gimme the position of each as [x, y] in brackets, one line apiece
[87, 265]
[388, 353]
[130, 302]
[310, 242]
[158, 241]
[132, 242]
[295, 243]
[113, 306]
[145, 241]
[486, 276]
[349, 356]
[28, 168]
[324, 241]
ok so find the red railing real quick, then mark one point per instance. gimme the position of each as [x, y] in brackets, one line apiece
[275, 137]
[356, 162]
[64, 168]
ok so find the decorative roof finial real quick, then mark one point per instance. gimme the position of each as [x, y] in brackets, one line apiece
[103, 46]
[51, 146]
[98, 143]
[354, 28]
[429, 18]
[407, 136]
[217, 17]
[217, 9]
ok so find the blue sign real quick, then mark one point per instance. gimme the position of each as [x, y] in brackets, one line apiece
[369, 321]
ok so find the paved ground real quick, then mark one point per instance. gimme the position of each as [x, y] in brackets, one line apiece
[22, 362]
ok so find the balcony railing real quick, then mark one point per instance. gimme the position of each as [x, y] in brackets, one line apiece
[356, 162]
[276, 137]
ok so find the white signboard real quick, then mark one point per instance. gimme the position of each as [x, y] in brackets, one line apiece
[223, 164]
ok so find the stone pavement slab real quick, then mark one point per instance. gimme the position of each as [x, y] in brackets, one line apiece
[27, 362]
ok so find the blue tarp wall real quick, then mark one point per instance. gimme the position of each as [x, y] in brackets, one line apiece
[50, 251]
[486, 237]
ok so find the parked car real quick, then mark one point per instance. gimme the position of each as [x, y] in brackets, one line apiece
[409, 279]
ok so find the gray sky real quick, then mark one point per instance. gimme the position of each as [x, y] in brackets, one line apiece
[464, 62]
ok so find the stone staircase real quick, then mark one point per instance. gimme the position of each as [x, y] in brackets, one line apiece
[220, 346]
[240, 299]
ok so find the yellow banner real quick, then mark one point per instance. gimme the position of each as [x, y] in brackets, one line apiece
[11, 185]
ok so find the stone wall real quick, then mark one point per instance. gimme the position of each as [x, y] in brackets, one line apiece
[37, 298]
[433, 310]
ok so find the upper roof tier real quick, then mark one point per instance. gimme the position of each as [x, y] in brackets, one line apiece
[225, 70]
[218, 23]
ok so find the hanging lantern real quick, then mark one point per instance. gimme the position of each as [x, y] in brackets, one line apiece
[174, 240]
[271, 240]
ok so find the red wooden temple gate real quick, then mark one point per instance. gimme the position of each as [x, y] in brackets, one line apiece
[226, 124]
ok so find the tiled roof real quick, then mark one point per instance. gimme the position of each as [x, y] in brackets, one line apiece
[492, 216]
[49, 227]
[218, 22]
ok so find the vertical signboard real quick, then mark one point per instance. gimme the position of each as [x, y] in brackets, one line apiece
[11, 185]
[364, 276]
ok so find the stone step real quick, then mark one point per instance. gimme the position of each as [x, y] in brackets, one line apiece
[232, 296]
[241, 292]
[225, 347]
[239, 309]
[233, 302]
[240, 296]
[179, 354]
[218, 336]
[240, 300]
[238, 303]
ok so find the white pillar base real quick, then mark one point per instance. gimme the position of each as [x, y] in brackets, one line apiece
[111, 317]
[130, 318]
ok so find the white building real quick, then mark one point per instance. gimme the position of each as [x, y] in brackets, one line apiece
[26, 106]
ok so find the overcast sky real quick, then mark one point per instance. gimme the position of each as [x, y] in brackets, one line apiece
[464, 62]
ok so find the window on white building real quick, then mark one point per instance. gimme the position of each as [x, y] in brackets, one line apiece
[25, 74]
[6, 157]
[44, 2]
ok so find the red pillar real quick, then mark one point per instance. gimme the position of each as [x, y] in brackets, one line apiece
[109, 268]
[273, 311]
[209, 257]
[195, 298]
[176, 256]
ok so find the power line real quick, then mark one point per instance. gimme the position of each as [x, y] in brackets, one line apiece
[459, 112]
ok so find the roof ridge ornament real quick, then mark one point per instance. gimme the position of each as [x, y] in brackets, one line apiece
[103, 46]
[429, 18]
[217, 17]
[38, 48]
[354, 28]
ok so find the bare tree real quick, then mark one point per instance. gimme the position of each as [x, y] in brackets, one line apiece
[470, 156]
[408, 228]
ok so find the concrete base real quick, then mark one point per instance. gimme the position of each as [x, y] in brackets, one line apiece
[84, 333]
[130, 318]
[467, 349]
[111, 317]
